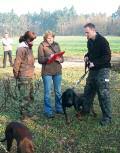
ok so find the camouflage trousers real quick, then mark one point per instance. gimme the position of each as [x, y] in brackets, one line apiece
[26, 99]
[97, 82]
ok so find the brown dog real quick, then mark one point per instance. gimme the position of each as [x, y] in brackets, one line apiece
[21, 134]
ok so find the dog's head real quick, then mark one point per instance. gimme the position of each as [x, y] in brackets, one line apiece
[68, 97]
[81, 99]
[26, 146]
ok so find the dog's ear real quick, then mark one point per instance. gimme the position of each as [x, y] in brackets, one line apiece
[63, 95]
[31, 146]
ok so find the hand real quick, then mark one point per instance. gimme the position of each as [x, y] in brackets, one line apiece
[58, 59]
[91, 64]
[86, 59]
[51, 55]
[16, 76]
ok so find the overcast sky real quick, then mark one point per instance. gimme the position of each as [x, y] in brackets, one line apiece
[81, 6]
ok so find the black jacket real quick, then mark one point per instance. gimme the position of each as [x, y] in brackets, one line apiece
[99, 52]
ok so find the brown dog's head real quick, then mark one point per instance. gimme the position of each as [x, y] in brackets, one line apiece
[26, 146]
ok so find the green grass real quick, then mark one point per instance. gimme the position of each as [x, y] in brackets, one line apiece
[72, 45]
[54, 136]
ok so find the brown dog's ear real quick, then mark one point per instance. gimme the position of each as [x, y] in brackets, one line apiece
[31, 146]
[26, 146]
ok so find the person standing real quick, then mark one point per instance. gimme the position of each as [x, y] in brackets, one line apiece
[98, 57]
[51, 72]
[7, 47]
[23, 70]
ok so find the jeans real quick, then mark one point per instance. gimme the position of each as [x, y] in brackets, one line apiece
[9, 53]
[47, 81]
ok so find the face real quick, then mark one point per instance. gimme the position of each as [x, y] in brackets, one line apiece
[50, 39]
[90, 33]
[6, 35]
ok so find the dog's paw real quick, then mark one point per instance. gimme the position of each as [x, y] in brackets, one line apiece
[68, 121]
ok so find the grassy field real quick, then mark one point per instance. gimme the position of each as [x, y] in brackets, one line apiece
[72, 45]
[53, 135]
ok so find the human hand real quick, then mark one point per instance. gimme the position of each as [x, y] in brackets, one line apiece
[86, 59]
[58, 59]
[51, 55]
[91, 64]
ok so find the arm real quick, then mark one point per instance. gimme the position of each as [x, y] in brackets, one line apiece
[61, 59]
[4, 42]
[17, 62]
[7, 42]
[106, 54]
[86, 57]
[41, 56]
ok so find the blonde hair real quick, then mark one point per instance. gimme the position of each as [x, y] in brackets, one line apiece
[47, 33]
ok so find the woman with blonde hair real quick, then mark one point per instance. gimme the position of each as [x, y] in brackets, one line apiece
[51, 72]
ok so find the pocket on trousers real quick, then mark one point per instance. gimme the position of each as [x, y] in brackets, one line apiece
[104, 83]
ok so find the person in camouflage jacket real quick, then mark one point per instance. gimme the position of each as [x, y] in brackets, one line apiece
[23, 70]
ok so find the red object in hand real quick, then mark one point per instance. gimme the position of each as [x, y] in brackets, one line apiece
[54, 57]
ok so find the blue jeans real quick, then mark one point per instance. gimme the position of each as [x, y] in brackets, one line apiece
[47, 81]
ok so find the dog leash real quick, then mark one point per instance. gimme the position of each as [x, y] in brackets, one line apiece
[81, 78]
[2, 146]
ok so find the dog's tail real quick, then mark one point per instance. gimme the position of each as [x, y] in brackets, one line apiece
[3, 140]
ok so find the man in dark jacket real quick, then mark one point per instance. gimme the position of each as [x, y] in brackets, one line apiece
[98, 58]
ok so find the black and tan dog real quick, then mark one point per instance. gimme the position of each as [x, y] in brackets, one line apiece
[21, 134]
[71, 98]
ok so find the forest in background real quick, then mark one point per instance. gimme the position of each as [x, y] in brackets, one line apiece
[62, 22]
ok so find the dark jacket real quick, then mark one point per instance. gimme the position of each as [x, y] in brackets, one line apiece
[44, 52]
[99, 52]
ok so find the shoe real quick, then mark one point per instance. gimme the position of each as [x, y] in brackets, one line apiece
[105, 122]
[49, 115]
